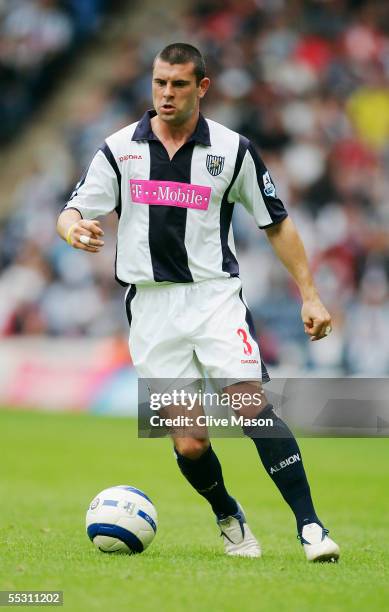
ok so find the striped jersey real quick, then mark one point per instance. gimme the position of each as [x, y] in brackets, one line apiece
[175, 214]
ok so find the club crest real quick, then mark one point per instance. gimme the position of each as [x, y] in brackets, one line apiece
[215, 164]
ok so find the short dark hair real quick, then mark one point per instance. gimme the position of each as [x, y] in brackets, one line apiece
[182, 53]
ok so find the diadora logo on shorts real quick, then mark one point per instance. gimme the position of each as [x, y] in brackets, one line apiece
[284, 463]
[129, 156]
[215, 164]
[169, 193]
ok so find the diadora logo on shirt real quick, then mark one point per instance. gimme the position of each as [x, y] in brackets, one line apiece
[169, 193]
[129, 156]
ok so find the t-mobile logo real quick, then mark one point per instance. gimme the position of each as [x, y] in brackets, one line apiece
[169, 193]
[284, 463]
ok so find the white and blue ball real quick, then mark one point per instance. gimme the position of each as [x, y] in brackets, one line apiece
[123, 519]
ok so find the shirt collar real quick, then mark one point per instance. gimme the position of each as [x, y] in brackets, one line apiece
[143, 130]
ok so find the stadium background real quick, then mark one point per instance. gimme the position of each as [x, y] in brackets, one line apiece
[306, 81]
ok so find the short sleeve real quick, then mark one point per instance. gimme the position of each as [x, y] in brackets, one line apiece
[255, 189]
[98, 192]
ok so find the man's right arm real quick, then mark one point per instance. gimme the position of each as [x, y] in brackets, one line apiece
[97, 194]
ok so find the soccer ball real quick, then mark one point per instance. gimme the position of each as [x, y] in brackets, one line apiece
[123, 519]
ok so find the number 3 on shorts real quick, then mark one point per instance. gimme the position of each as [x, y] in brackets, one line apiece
[248, 349]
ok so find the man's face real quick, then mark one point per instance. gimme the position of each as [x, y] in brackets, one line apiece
[176, 94]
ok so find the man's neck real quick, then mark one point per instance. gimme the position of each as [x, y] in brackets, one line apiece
[174, 133]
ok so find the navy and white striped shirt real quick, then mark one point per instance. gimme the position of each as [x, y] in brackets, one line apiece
[175, 215]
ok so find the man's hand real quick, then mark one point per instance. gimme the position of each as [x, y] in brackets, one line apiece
[86, 228]
[316, 319]
[83, 234]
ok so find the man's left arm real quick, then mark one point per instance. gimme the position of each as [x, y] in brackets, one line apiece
[289, 249]
[254, 188]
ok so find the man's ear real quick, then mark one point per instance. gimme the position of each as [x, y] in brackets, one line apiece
[203, 86]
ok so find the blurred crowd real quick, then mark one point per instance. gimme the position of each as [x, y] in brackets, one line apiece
[308, 83]
[37, 38]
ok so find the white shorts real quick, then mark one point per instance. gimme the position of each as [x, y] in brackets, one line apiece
[184, 330]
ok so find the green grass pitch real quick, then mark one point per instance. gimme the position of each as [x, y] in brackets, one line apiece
[53, 465]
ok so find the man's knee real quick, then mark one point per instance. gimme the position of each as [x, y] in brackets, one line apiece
[192, 448]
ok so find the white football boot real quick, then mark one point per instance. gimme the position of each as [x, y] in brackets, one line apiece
[318, 547]
[237, 536]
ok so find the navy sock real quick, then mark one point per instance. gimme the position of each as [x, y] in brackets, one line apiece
[205, 475]
[281, 457]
